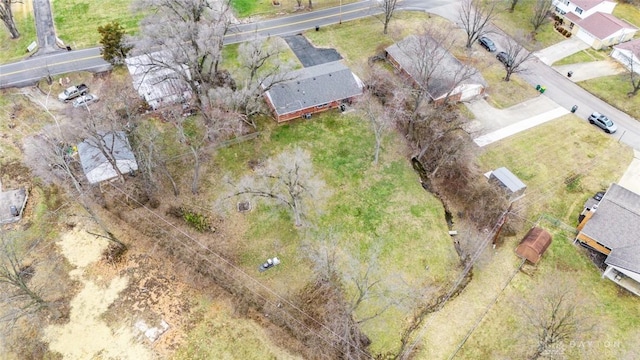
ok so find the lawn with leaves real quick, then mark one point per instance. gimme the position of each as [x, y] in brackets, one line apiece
[16, 49]
[587, 55]
[517, 23]
[370, 206]
[614, 90]
[270, 8]
[77, 21]
[561, 169]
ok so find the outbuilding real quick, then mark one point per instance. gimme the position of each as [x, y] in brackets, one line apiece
[534, 244]
[504, 178]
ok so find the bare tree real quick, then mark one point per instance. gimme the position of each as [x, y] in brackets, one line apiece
[388, 9]
[186, 37]
[288, 179]
[517, 56]
[475, 17]
[540, 14]
[15, 274]
[554, 317]
[632, 70]
[379, 119]
[193, 134]
[433, 69]
[7, 17]
[264, 68]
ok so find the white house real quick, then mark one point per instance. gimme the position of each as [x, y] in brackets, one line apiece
[95, 165]
[628, 54]
[600, 30]
[582, 9]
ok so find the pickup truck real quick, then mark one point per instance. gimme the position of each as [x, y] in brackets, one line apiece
[73, 92]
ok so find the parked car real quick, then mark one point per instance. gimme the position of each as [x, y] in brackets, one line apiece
[85, 100]
[73, 92]
[486, 43]
[603, 122]
[504, 58]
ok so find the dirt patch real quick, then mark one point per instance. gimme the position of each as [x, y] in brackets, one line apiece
[87, 335]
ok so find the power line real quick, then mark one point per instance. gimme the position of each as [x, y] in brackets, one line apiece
[248, 277]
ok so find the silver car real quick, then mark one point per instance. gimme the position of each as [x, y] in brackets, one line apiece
[85, 100]
[603, 122]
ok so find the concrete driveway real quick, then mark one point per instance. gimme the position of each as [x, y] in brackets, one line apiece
[491, 124]
[560, 50]
[591, 70]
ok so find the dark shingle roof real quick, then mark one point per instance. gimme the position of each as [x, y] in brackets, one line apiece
[315, 86]
[627, 258]
[448, 70]
[616, 222]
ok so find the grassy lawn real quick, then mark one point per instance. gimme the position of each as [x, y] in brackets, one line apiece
[14, 50]
[247, 8]
[517, 22]
[628, 12]
[77, 21]
[614, 89]
[360, 39]
[382, 204]
[221, 335]
[586, 55]
[533, 156]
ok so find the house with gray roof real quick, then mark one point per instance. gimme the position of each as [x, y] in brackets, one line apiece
[425, 62]
[95, 165]
[313, 89]
[612, 227]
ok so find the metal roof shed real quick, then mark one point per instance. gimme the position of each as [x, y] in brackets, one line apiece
[534, 244]
[507, 180]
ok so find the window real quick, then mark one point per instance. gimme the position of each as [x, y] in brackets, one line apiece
[321, 106]
[578, 10]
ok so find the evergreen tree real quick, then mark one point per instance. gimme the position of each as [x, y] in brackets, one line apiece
[114, 50]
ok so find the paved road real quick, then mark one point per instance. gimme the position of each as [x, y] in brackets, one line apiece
[44, 27]
[28, 72]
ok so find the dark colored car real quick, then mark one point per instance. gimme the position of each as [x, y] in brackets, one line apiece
[603, 122]
[486, 43]
[504, 58]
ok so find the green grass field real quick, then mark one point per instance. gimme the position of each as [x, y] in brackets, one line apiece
[14, 50]
[587, 55]
[77, 21]
[269, 8]
[614, 89]
[369, 204]
[516, 23]
[544, 159]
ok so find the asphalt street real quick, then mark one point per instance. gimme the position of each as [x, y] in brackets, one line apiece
[29, 71]
[559, 88]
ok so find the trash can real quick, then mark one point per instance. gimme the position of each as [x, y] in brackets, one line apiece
[574, 108]
[569, 73]
[317, 28]
[542, 89]
[537, 87]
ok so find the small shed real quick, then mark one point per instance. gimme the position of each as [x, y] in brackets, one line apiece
[534, 244]
[514, 187]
